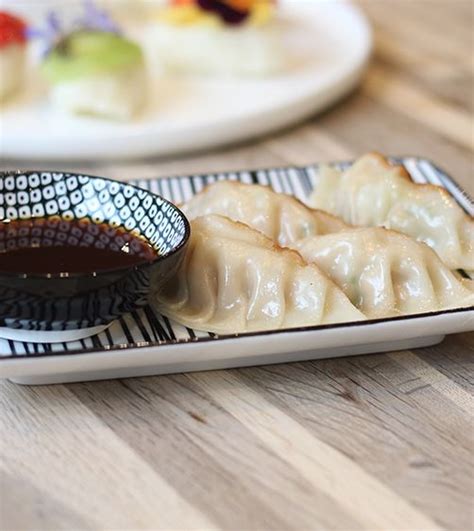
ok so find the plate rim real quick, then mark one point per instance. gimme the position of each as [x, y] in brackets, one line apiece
[227, 337]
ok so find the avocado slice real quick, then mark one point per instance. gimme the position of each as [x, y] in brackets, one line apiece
[86, 53]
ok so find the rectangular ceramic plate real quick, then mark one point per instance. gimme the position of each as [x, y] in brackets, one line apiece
[145, 343]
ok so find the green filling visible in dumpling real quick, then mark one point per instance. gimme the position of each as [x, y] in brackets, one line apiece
[86, 53]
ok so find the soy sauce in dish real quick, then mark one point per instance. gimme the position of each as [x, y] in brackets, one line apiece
[57, 246]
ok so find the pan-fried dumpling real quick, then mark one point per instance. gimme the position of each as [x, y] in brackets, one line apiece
[281, 217]
[374, 193]
[233, 280]
[385, 273]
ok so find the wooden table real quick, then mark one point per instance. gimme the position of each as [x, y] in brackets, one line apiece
[380, 441]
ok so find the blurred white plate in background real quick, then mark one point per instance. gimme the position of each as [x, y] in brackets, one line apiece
[331, 38]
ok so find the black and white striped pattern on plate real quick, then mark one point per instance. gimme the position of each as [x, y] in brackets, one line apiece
[146, 326]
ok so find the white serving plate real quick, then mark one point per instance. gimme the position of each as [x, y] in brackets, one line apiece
[331, 39]
[145, 343]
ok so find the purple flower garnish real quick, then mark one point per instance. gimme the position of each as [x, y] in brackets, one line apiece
[227, 13]
[50, 34]
[96, 19]
[54, 31]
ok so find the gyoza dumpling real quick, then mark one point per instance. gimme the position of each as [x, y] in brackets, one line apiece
[281, 217]
[385, 273]
[234, 280]
[374, 193]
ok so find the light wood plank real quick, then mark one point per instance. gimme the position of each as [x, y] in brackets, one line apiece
[203, 452]
[371, 502]
[435, 379]
[61, 449]
[414, 102]
[388, 416]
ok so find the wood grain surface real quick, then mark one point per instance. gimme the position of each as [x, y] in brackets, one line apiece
[372, 442]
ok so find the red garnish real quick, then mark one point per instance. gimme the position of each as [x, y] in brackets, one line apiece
[12, 30]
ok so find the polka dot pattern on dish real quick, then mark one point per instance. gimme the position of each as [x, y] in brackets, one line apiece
[68, 196]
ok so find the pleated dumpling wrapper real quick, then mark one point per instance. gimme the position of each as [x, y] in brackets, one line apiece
[385, 273]
[374, 193]
[280, 217]
[235, 280]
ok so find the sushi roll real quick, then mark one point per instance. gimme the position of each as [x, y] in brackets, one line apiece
[12, 54]
[94, 69]
[217, 38]
[98, 73]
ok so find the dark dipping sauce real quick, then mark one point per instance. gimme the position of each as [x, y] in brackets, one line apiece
[56, 246]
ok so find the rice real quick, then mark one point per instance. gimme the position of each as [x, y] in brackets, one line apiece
[12, 64]
[117, 95]
[209, 50]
